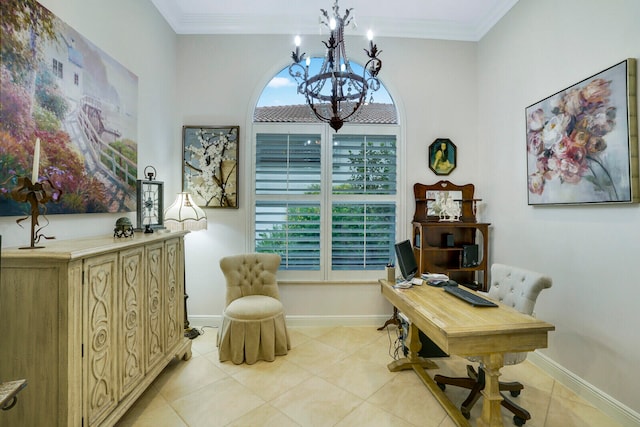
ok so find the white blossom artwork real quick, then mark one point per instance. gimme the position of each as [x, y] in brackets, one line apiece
[210, 168]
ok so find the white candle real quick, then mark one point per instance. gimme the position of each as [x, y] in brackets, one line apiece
[36, 162]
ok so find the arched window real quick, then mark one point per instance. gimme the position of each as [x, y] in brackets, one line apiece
[325, 201]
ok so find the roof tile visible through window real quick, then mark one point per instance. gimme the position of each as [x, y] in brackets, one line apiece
[373, 113]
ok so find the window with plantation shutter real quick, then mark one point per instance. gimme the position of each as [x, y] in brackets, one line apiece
[287, 164]
[364, 164]
[363, 225]
[287, 188]
[362, 235]
[326, 202]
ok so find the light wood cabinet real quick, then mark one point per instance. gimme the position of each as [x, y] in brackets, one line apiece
[90, 323]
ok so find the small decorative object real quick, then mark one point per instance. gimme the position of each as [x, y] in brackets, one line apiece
[391, 273]
[123, 228]
[582, 142]
[446, 207]
[210, 165]
[150, 202]
[35, 193]
[442, 156]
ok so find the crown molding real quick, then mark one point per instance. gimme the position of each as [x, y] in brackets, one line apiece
[247, 23]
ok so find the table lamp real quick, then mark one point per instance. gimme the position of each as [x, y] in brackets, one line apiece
[184, 214]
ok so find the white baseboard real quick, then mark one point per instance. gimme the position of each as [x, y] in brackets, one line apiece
[303, 321]
[605, 403]
[599, 399]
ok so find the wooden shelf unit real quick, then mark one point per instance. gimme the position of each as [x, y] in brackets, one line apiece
[431, 251]
[433, 257]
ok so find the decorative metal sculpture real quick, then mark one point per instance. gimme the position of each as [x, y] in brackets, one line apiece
[36, 194]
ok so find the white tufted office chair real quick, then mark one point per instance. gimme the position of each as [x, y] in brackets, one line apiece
[253, 321]
[517, 288]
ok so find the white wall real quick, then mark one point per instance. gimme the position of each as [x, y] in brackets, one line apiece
[219, 81]
[134, 34]
[592, 252]
[474, 94]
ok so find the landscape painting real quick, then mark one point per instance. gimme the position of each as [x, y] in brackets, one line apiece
[58, 87]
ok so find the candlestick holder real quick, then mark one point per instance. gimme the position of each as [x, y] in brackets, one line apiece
[36, 194]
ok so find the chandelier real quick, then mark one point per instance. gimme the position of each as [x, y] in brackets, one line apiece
[336, 93]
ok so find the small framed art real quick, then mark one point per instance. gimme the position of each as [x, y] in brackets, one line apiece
[582, 145]
[442, 156]
[210, 165]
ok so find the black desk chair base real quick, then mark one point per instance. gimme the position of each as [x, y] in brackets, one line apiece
[475, 381]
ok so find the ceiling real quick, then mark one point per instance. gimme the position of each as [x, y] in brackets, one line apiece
[467, 20]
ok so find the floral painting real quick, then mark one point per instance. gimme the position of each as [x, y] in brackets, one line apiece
[210, 165]
[59, 88]
[579, 144]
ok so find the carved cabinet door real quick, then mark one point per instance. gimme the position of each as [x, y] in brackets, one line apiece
[154, 318]
[130, 313]
[99, 340]
[173, 293]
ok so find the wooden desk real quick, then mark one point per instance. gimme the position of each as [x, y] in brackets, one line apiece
[461, 329]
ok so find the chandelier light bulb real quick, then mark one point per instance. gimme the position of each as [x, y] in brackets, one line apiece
[332, 24]
[297, 41]
[308, 61]
[370, 35]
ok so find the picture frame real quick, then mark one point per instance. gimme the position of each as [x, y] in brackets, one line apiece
[442, 156]
[210, 165]
[581, 142]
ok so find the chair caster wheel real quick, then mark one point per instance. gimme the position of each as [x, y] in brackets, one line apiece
[515, 393]
[442, 386]
[518, 421]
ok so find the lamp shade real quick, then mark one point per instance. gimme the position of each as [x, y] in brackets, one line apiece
[184, 214]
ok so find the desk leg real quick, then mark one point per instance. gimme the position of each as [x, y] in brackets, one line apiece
[419, 364]
[491, 413]
[392, 321]
[412, 358]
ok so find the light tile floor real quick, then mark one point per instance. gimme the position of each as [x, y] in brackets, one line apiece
[333, 376]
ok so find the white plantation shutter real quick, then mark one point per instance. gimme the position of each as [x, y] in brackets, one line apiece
[326, 207]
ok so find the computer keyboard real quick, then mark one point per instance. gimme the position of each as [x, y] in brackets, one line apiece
[469, 297]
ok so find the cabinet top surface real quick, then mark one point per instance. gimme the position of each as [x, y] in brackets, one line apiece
[78, 248]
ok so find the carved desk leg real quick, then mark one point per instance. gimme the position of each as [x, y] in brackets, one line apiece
[412, 358]
[491, 413]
